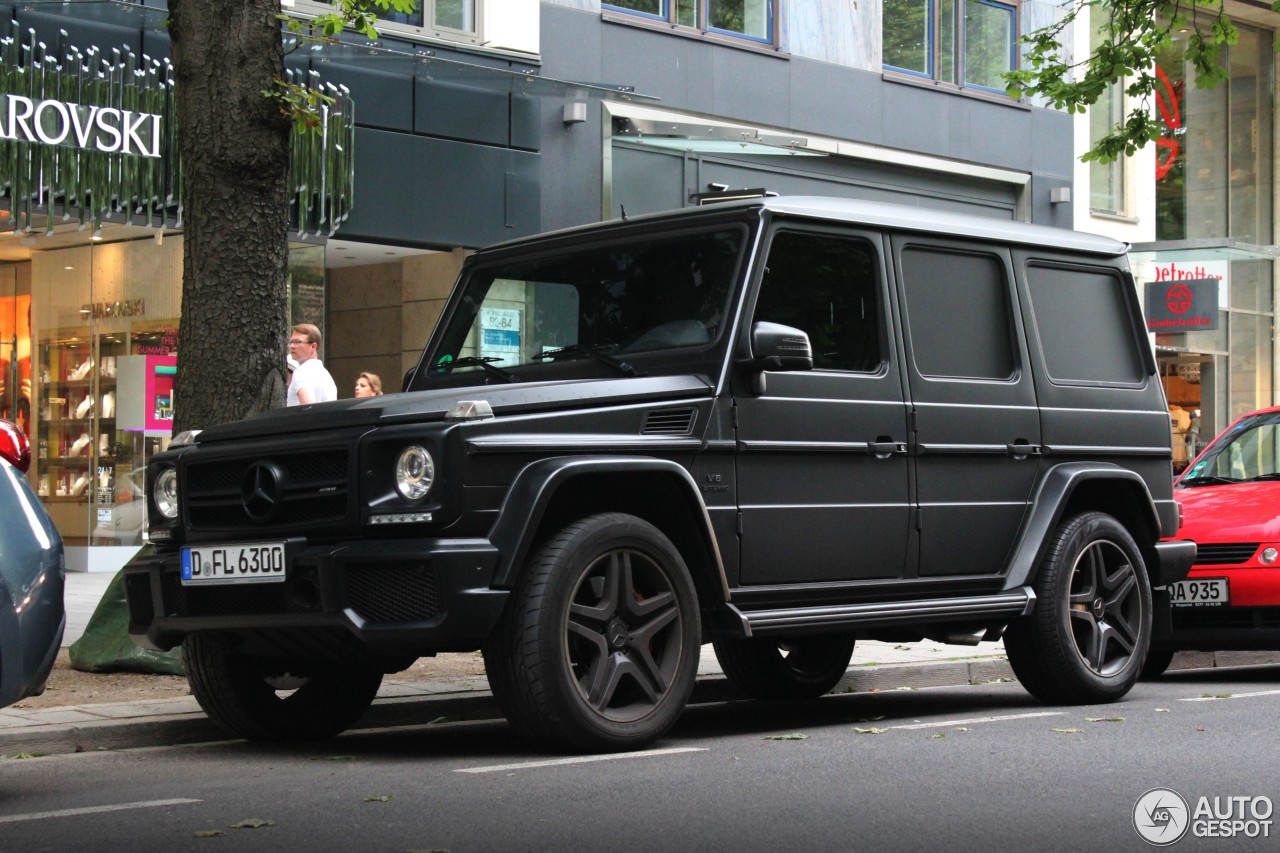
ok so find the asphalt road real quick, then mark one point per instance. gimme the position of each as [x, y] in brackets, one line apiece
[978, 768]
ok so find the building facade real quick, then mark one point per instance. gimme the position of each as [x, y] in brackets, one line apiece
[483, 120]
[1199, 207]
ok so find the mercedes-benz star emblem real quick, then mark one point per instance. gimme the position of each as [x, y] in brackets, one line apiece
[262, 490]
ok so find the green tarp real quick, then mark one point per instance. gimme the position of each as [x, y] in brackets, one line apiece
[107, 647]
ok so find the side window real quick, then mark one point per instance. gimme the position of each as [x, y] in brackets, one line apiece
[828, 287]
[959, 314]
[1083, 321]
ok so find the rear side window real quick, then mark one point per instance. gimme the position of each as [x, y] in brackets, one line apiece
[1085, 329]
[960, 318]
[828, 287]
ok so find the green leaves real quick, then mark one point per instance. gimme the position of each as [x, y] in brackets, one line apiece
[1131, 37]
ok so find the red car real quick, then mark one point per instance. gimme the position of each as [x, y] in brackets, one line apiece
[1230, 499]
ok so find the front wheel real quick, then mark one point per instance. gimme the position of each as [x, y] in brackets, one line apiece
[799, 668]
[1087, 638]
[265, 700]
[598, 648]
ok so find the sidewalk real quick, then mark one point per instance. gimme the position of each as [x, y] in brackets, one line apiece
[123, 725]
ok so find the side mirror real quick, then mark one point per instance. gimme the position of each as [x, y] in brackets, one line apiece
[778, 347]
[408, 378]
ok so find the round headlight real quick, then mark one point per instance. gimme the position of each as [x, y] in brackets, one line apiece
[1269, 555]
[414, 472]
[165, 493]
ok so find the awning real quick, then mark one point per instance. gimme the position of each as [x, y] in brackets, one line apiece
[1205, 249]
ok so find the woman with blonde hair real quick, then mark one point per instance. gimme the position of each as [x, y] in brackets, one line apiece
[368, 385]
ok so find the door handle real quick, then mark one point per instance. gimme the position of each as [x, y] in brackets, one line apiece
[885, 449]
[1023, 450]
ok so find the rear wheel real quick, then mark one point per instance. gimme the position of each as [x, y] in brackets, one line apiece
[598, 648]
[799, 668]
[1088, 636]
[266, 700]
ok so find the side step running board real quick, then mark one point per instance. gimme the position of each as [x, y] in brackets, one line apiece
[978, 608]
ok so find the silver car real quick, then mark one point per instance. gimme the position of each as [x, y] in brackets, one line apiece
[32, 575]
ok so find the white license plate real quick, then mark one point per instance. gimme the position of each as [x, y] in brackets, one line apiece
[1205, 592]
[212, 564]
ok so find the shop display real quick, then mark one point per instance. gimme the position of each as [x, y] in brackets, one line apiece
[76, 433]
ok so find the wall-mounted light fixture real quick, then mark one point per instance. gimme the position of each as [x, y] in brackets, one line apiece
[575, 112]
[1060, 195]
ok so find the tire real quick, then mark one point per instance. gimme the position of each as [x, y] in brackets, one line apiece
[1087, 638]
[1157, 662]
[598, 647]
[261, 700]
[799, 668]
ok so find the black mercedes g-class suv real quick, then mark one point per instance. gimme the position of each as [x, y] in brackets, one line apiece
[776, 426]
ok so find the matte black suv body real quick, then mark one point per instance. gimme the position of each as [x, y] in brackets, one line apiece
[777, 426]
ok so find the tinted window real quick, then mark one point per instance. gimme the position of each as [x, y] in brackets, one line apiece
[958, 310]
[1084, 325]
[647, 294]
[827, 287]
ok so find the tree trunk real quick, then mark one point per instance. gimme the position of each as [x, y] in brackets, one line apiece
[234, 145]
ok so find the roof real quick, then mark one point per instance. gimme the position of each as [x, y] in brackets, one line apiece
[885, 215]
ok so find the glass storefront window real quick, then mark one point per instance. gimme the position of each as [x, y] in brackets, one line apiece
[105, 321]
[102, 347]
[1214, 157]
[1250, 363]
[15, 345]
[1214, 180]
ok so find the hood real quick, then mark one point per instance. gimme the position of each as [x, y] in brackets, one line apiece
[1239, 512]
[427, 406]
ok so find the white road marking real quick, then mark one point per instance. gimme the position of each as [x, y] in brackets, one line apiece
[118, 807]
[582, 759]
[1231, 696]
[972, 720]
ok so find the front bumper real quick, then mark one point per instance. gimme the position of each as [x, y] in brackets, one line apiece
[379, 599]
[1174, 558]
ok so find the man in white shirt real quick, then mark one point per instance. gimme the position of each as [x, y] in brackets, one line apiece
[311, 383]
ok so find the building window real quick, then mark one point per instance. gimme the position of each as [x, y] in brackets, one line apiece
[447, 19]
[961, 42]
[1106, 180]
[749, 19]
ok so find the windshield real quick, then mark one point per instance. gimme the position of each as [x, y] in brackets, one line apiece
[1249, 450]
[597, 306]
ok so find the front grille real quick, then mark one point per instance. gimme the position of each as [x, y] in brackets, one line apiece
[670, 422]
[1227, 618]
[1225, 554]
[392, 593]
[298, 594]
[313, 490]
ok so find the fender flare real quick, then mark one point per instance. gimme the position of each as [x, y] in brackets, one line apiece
[535, 487]
[1048, 504]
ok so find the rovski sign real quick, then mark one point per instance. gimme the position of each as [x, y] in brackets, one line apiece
[90, 128]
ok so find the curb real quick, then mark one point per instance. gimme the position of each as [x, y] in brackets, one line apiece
[463, 705]
[471, 705]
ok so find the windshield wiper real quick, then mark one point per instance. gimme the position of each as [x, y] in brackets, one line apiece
[1209, 481]
[1264, 477]
[598, 353]
[484, 362]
